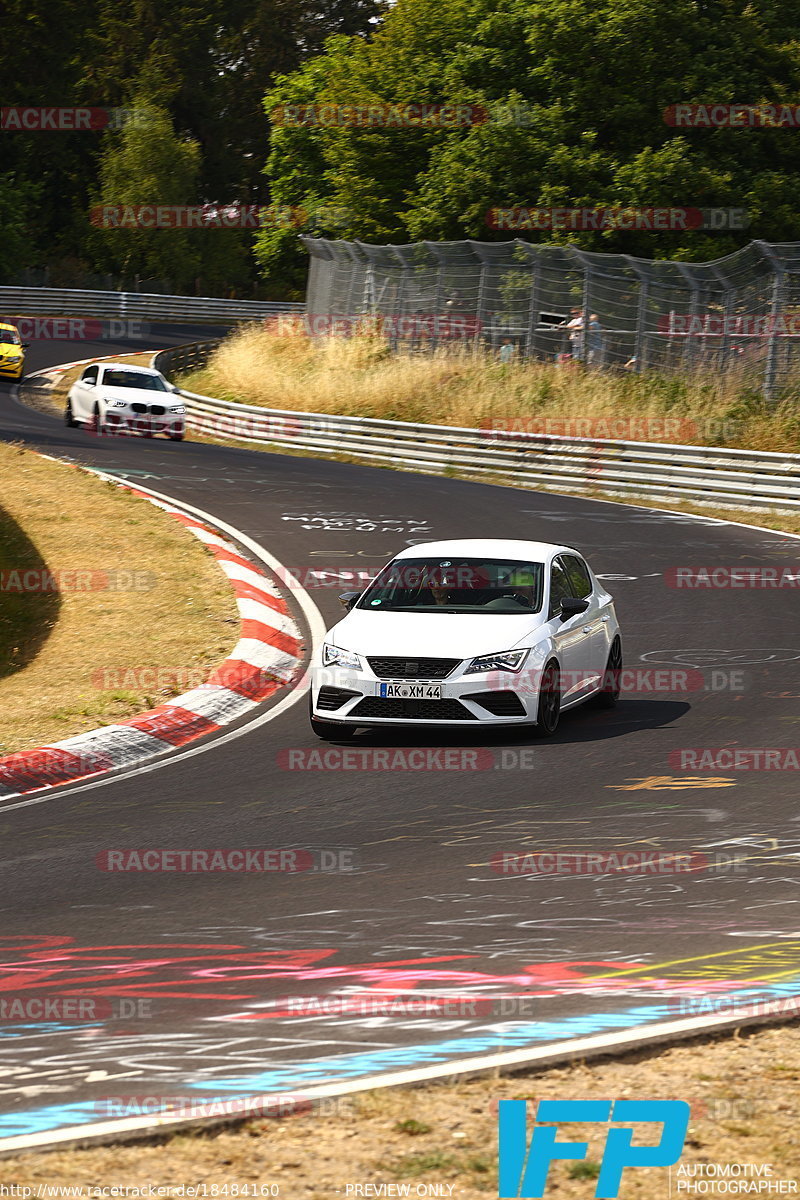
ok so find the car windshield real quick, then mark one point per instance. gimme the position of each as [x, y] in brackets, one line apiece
[460, 585]
[134, 379]
[10, 337]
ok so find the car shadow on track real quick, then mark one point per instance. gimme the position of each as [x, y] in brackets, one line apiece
[587, 723]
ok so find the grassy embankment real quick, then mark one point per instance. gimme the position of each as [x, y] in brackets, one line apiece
[150, 597]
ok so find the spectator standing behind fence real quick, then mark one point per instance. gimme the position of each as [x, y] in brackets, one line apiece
[507, 351]
[575, 329]
[594, 342]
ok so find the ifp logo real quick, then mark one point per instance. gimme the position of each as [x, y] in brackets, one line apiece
[523, 1169]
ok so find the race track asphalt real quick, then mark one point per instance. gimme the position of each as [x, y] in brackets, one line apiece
[189, 974]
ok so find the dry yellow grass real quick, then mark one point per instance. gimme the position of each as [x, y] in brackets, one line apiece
[360, 376]
[64, 519]
[743, 1091]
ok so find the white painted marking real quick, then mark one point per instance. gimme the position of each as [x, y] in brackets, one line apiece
[551, 1055]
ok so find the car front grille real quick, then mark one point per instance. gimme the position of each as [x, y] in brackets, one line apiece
[412, 710]
[413, 668]
[499, 704]
[154, 410]
[331, 698]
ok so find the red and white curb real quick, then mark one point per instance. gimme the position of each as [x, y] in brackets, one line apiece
[50, 374]
[266, 658]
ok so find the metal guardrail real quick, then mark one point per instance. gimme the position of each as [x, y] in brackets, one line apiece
[137, 306]
[749, 478]
[185, 358]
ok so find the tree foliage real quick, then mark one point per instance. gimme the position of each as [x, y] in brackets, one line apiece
[591, 80]
[205, 64]
[576, 91]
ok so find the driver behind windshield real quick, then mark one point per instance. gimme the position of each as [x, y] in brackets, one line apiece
[457, 586]
[490, 586]
[522, 586]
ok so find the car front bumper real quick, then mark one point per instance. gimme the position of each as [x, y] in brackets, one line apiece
[349, 697]
[118, 421]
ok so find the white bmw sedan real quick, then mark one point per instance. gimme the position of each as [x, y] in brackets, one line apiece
[121, 398]
[485, 632]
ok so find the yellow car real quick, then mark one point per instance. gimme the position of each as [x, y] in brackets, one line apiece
[12, 352]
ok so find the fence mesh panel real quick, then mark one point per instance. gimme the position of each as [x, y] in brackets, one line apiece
[739, 313]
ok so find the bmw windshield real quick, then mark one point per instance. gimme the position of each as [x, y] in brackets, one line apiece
[456, 586]
[134, 379]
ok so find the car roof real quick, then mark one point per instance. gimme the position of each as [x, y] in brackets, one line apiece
[489, 547]
[130, 367]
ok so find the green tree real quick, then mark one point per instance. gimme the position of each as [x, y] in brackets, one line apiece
[41, 62]
[17, 242]
[576, 91]
[214, 59]
[147, 163]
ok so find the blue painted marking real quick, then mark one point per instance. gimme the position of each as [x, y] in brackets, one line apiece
[18, 1028]
[351, 1066]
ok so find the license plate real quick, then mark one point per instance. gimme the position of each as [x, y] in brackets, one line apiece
[411, 691]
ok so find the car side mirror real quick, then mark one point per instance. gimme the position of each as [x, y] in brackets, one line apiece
[571, 606]
[348, 599]
[26, 345]
[88, 382]
[175, 389]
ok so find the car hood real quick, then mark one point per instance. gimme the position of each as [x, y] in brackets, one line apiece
[9, 347]
[138, 395]
[438, 635]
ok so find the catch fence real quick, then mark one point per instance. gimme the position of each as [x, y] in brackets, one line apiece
[561, 304]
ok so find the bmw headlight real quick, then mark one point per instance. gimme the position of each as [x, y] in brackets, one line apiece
[15, 358]
[178, 408]
[118, 403]
[509, 660]
[333, 656]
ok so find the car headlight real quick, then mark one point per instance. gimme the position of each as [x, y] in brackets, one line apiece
[178, 408]
[509, 660]
[15, 358]
[118, 403]
[333, 656]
